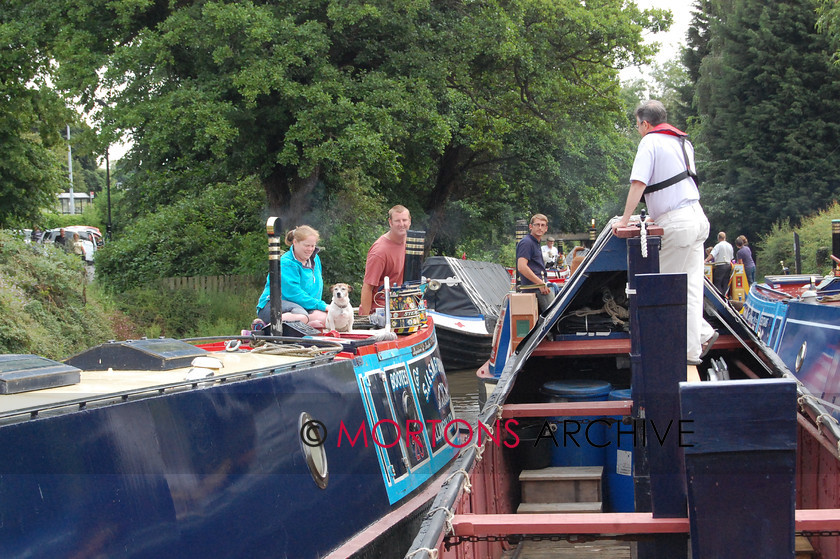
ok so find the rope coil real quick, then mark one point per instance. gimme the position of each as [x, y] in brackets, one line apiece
[297, 350]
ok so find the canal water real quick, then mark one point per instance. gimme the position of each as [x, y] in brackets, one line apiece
[463, 389]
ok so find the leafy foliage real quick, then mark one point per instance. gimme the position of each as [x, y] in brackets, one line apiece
[432, 102]
[214, 233]
[815, 244]
[184, 313]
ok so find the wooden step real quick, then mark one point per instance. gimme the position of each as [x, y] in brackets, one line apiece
[546, 508]
[599, 549]
[575, 484]
[804, 549]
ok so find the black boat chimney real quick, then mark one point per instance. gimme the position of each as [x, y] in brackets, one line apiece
[835, 243]
[414, 247]
[521, 231]
[275, 238]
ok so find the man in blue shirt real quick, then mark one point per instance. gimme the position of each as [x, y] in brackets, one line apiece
[530, 267]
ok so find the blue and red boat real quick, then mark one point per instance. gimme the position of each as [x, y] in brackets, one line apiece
[606, 442]
[247, 446]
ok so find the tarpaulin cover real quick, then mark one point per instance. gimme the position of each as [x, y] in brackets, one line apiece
[481, 287]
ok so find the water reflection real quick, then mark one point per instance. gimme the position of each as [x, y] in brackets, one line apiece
[463, 388]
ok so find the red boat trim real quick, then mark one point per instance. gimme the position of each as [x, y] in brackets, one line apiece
[818, 435]
[617, 407]
[588, 346]
[608, 346]
[608, 523]
[586, 523]
[817, 519]
[401, 342]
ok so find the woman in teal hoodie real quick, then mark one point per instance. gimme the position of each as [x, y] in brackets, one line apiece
[300, 281]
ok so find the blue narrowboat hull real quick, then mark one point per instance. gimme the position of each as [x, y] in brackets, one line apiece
[805, 335]
[219, 470]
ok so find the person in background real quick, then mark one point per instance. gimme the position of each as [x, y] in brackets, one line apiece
[61, 240]
[301, 283]
[88, 250]
[78, 247]
[722, 255]
[665, 174]
[550, 253]
[36, 234]
[530, 266]
[386, 257]
[744, 256]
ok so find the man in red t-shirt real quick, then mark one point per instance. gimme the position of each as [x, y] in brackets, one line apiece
[386, 257]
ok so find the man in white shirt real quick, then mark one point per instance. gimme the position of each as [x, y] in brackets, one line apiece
[665, 173]
[722, 255]
[549, 253]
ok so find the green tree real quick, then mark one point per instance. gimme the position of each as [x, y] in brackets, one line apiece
[696, 49]
[769, 98]
[30, 117]
[435, 102]
[214, 233]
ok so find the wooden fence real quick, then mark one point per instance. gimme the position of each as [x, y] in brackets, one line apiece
[215, 284]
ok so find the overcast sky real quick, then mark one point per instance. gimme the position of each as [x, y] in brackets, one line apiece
[670, 41]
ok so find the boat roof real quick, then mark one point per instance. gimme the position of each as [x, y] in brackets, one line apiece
[104, 386]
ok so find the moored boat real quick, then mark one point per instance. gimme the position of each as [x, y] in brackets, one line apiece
[219, 448]
[735, 465]
[798, 316]
[464, 297]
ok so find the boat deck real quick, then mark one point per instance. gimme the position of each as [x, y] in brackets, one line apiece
[602, 549]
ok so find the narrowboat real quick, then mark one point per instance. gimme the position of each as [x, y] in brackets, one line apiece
[798, 316]
[247, 446]
[464, 299]
[598, 440]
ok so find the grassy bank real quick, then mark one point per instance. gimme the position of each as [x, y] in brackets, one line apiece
[47, 307]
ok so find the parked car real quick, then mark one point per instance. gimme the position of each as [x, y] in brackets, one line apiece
[86, 234]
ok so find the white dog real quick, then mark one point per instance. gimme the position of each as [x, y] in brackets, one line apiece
[340, 311]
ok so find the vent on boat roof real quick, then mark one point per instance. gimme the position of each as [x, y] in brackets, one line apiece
[159, 354]
[22, 373]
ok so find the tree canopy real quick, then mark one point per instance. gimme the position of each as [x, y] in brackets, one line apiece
[441, 105]
[768, 97]
[30, 116]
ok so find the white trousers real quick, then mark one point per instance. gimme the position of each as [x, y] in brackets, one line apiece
[685, 231]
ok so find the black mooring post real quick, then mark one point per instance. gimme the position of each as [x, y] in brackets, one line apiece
[521, 231]
[835, 243]
[275, 238]
[414, 248]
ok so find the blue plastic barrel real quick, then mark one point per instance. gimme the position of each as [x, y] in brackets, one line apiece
[618, 481]
[580, 440]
